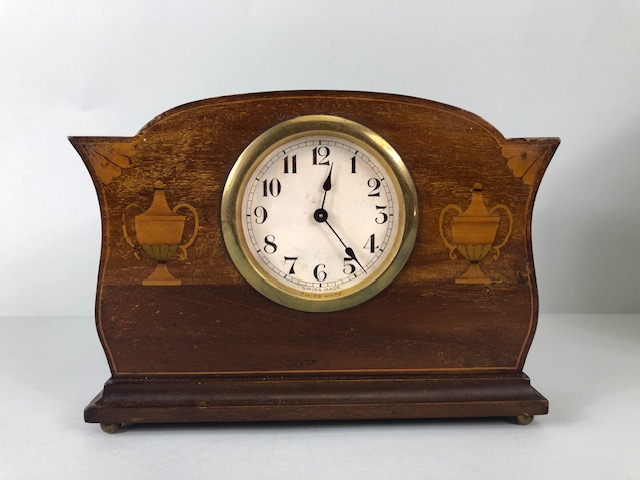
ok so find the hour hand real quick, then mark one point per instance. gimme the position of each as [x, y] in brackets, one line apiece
[327, 183]
[326, 186]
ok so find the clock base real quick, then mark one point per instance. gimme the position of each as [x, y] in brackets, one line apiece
[205, 399]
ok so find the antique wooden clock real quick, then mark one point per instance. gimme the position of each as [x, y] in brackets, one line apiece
[315, 255]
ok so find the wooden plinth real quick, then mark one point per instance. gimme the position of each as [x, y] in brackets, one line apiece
[217, 400]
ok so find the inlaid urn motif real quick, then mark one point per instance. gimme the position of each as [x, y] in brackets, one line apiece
[473, 235]
[159, 231]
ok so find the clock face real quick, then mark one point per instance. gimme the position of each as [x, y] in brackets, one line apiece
[319, 213]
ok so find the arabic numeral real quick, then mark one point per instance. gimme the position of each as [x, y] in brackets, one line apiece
[270, 244]
[349, 268]
[382, 216]
[271, 187]
[320, 155]
[290, 166]
[374, 184]
[319, 273]
[371, 243]
[293, 264]
[261, 214]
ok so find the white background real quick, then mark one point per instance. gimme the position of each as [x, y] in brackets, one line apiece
[531, 68]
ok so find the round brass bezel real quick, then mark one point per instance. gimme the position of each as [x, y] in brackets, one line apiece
[269, 141]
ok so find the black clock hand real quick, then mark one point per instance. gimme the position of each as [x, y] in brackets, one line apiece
[349, 251]
[326, 186]
[321, 216]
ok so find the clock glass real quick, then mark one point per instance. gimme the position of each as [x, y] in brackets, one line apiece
[319, 213]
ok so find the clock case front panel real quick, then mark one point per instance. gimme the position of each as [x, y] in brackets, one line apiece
[448, 337]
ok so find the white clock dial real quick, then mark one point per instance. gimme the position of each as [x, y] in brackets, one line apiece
[318, 218]
[320, 214]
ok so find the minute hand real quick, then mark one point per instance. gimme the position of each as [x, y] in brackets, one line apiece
[348, 250]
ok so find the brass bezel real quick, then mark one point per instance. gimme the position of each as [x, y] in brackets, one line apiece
[251, 157]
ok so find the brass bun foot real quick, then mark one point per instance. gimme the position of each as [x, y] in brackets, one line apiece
[110, 427]
[524, 419]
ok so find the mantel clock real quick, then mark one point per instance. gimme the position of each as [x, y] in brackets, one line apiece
[315, 255]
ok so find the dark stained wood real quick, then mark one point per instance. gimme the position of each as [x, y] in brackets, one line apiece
[437, 342]
[274, 399]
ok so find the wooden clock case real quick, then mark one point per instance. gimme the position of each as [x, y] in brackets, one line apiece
[189, 340]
